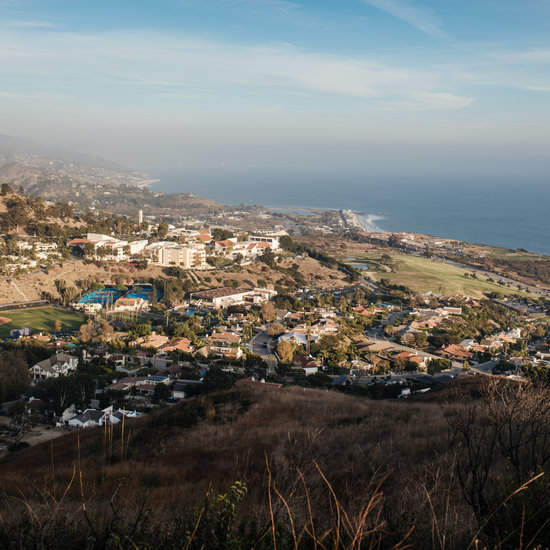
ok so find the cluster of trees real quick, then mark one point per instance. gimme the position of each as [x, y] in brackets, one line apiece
[14, 375]
[62, 392]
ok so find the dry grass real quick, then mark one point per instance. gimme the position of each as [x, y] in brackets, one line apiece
[319, 466]
[355, 443]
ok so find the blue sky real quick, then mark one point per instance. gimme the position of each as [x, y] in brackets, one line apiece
[398, 89]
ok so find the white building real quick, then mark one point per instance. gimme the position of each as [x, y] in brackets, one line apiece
[222, 298]
[113, 248]
[57, 365]
[167, 253]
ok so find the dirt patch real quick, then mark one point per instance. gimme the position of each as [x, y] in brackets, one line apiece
[4, 320]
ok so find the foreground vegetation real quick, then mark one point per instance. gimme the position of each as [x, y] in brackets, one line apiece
[265, 467]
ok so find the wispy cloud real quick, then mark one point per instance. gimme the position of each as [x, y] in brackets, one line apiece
[180, 65]
[46, 97]
[414, 14]
[531, 57]
[537, 88]
[280, 9]
[27, 24]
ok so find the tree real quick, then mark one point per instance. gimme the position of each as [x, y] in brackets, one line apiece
[268, 257]
[6, 190]
[141, 329]
[286, 350]
[221, 234]
[217, 379]
[89, 249]
[275, 329]
[87, 332]
[255, 366]
[420, 339]
[57, 326]
[105, 330]
[14, 375]
[267, 312]
[162, 393]
[162, 230]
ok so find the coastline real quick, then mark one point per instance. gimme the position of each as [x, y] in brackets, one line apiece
[368, 221]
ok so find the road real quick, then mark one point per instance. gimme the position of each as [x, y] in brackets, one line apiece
[262, 344]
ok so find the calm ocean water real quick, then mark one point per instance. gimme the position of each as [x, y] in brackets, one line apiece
[511, 216]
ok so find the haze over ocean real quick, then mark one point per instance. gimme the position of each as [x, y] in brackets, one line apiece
[508, 215]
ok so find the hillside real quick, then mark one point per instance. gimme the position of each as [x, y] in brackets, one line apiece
[87, 181]
[342, 467]
[29, 162]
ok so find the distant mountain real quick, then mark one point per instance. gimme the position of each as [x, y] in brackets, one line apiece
[89, 182]
[36, 167]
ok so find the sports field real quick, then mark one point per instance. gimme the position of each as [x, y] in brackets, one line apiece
[40, 319]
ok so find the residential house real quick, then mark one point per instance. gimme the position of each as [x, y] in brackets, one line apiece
[455, 353]
[59, 364]
[307, 363]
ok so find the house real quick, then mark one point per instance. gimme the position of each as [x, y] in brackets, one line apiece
[87, 419]
[179, 388]
[181, 344]
[298, 337]
[271, 239]
[91, 417]
[59, 364]
[380, 346]
[224, 338]
[144, 385]
[227, 353]
[468, 344]
[20, 333]
[150, 341]
[455, 352]
[307, 363]
[406, 356]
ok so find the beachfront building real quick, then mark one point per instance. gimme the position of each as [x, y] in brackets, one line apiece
[186, 256]
[222, 298]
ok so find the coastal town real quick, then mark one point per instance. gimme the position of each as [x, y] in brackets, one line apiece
[165, 314]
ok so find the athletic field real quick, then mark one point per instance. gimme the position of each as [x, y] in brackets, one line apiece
[39, 319]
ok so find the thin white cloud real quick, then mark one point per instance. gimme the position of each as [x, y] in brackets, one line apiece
[531, 57]
[428, 101]
[28, 24]
[537, 88]
[45, 97]
[414, 14]
[179, 65]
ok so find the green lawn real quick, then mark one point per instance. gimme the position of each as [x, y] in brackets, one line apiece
[422, 275]
[40, 319]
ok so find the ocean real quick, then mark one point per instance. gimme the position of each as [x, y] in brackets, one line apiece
[506, 215]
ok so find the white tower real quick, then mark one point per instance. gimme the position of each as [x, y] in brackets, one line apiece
[140, 217]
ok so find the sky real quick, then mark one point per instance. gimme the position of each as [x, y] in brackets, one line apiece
[392, 90]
